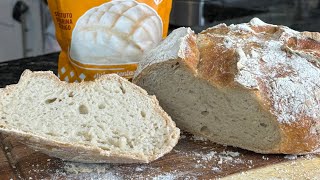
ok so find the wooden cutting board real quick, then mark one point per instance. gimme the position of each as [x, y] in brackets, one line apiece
[192, 158]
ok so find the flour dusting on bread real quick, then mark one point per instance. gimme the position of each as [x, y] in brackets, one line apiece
[289, 79]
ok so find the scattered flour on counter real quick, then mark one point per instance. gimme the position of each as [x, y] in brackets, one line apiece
[205, 157]
[265, 158]
[140, 168]
[209, 156]
[199, 138]
[229, 156]
[294, 157]
[216, 169]
[309, 156]
[77, 168]
[291, 157]
[166, 176]
[183, 136]
[96, 176]
[176, 175]
[72, 170]
[230, 153]
[219, 158]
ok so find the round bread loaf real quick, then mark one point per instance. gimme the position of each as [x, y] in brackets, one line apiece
[252, 85]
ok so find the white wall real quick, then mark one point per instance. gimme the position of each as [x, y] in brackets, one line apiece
[21, 40]
[10, 33]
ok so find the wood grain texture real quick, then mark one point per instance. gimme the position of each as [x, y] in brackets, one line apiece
[190, 159]
[6, 171]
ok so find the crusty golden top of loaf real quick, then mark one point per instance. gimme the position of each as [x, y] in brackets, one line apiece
[278, 66]
[280, 63]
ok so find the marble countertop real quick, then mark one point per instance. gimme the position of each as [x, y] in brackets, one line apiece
[10, 71]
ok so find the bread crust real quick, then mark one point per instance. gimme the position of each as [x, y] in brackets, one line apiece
[218, 64]
[312, 35]
[183, 47]
[296, 137]
[78, 152]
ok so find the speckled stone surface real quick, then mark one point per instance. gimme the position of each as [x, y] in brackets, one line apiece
[10, 71]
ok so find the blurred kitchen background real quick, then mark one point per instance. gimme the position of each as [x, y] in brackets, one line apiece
[26, 28]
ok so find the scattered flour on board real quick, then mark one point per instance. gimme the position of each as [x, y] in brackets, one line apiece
[182, 136]
[203, 160]
[166, 176]
[90, 171]
[208, 159]
[72, 170]
[199, 138]
[216, 169]
[291, 157]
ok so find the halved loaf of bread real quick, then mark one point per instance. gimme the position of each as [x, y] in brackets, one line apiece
[109, 120]
[252, 85]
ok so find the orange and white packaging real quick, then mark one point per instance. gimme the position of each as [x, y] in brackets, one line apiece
[101, 36]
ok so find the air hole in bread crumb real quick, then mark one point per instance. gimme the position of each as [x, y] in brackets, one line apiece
[204, 113]
[101, 106]
[143, 114]
[205, 130]
[72, 103]
[3, 117]
[233, 137]
[104, 148]
[175, 66]
[130, 144]
[263, 125]
[50, 134]
[101, 127]
[49, 101]
[70, 94]
[122, 89]
[85, 135]
[191, 92]
[115, 132]
[83, 109]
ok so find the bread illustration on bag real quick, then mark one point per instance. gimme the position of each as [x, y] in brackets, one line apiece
[106, 36]
[117, 32]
